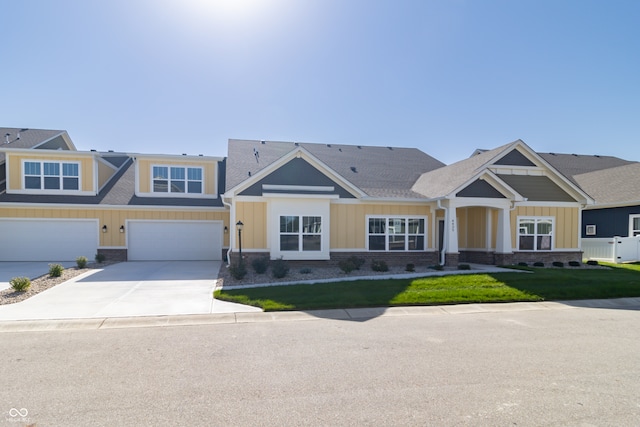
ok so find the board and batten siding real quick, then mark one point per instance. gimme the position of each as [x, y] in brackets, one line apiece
[566, 223]
[472, 227]
[348, 222]
[254, 217]
[209, 171]
[15, 168]
[114, 218]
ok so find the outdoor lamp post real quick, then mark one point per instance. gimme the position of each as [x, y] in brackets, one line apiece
[240, 226]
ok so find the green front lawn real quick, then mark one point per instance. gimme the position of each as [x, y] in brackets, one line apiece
[536, 284]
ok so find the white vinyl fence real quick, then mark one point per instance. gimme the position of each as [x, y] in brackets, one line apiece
[612, 249]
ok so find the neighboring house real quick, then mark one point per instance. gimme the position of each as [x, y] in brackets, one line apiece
[58, 203]
[297, 201]
[327, 201]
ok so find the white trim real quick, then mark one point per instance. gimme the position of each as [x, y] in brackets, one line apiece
[551, 204]
[535, 235]
[113, 207]
[297, 187]
[631, 229]
[185, 181]
[297, 196]
[590, 230]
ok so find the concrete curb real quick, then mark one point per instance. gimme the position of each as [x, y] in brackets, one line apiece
[349, 314]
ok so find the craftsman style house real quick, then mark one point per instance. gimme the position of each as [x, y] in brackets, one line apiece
[297, 201]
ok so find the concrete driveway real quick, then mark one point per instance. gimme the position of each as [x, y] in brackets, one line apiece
[126, 289]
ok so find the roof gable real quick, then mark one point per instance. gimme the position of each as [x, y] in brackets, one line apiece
[480, 188]
[514, 158]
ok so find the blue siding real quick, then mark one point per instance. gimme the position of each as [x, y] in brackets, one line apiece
[609, 222]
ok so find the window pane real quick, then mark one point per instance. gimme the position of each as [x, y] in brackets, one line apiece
[177, 173]
[396, 226]
[311, 224]
[416, 243]
[51, 183]
[396, 243]
[32, 182]
[311, 243]
[32, 168]
[544, 227]
[416, 226]
[377, 225]
[160, 186]
[69, 169]
[52, 169]
[289, 224]
[376, 243]
[288, 242]
[195, 187]
[160, 172]
[70, 183]
[527, 227]
[177, 186]
[544, 243]
[526, 243]
[194, 174]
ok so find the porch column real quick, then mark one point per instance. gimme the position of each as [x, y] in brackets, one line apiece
[503, 233]
[451, 236]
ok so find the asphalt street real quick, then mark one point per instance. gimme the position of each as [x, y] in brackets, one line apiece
[571, 366]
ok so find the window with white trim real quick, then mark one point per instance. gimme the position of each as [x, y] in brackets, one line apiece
[177, 179]
[300, 233]
[634, 225]
[535, 233]
[40, 175]
[396, 233]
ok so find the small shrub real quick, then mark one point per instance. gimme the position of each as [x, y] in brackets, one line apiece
[592, 262]
[538, 264]
[346, 265]
[305, 270]
[238, 270]
[522, 264]
[55, 270]
[279, 268]
[81, 261]
[410, 267]
[357, 261]
[574, 263]
[100, 258]
[464, 267]
[557, 264]
[379, 265]
[260, 264]
[436, 267]
[20, 284]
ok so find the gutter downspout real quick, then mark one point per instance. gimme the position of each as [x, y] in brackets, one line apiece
[444, 238]
[230, 249]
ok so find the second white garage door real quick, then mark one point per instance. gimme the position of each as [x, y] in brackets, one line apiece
[174, 240]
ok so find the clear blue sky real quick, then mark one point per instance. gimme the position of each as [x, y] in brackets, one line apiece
[449, 76]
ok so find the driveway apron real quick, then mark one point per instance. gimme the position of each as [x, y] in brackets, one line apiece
[145, 288]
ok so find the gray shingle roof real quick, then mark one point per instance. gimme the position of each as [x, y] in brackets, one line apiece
[617, 185]
[575, 164]
[29, 138]
[381, 172]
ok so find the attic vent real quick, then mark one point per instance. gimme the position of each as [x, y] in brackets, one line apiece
[18, 135]
[360, 147]
[199, 155]
[575, 155]
[340, 150]
[263, 142]
[6, 138]
[553, 154]
[353, 169]
[184, 154]
[597, 155]
[110, 151]
[329, 145]
[297, 144]
[390, 148]
[93, 150]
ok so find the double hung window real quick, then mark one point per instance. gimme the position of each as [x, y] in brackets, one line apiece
[535, 234]
[634, 225]
[300, 233]
[396, 234]
[51, 176]
[177, 179]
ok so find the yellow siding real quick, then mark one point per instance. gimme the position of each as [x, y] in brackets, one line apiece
[254, 217]
[114, 218]
[348, 222]
[566, 224]
[104, 173]
[15, 167]
[472, 232]
[209, 173]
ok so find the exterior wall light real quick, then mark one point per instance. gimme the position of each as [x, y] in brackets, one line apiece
[104, 228]
[122, 228]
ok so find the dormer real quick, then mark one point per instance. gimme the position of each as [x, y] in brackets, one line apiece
[177, 176]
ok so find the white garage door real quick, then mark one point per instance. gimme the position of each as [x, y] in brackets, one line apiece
[48, 239]
[174, 240]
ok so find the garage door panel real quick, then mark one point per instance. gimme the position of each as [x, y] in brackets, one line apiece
[175, 240]
[47, 239]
